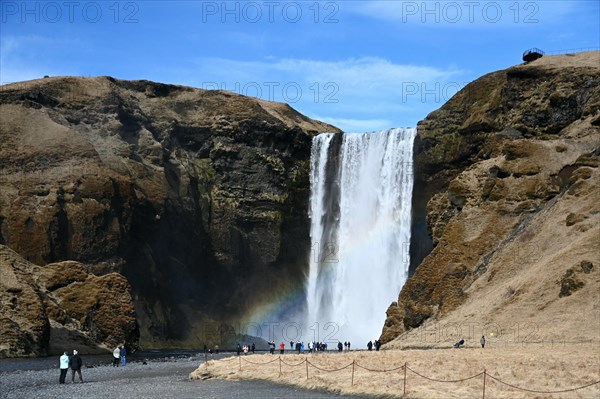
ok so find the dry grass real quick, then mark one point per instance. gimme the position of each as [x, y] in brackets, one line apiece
[532, 367]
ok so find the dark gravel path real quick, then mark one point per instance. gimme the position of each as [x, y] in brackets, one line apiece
[157, 379]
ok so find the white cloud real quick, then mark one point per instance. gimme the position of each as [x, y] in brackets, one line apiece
[368, 93]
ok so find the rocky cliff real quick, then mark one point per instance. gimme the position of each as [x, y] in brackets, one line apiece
[198, 198]
[508, 170]
[62, 306]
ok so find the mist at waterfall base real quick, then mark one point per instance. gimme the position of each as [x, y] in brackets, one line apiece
[360, 215]
[360, 211]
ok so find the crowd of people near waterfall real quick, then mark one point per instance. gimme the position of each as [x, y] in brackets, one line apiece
[301, 348]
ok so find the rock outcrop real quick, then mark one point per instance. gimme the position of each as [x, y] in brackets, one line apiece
[197, 197]
[62, 306]
[509, 170]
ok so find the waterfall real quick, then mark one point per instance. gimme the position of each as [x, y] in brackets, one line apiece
[360, 210]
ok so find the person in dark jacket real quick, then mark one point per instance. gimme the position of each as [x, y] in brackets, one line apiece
[370, 345]
[75, 363]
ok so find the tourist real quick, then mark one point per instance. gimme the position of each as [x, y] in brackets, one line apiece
[377, 344]
[370, 345]
[245, 349]
[482, 341]
[123, 353]
[348, 345]
[253, 347]
[75, 363]
[339, 346]
[239, 349]
[292, 345]
[459, 343]
[281, 348]
[64, 367]
[116, 357]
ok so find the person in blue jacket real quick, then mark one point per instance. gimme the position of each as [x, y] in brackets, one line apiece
[123, 353]
[64, 367]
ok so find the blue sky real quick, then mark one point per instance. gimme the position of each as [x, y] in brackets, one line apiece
[360, 65]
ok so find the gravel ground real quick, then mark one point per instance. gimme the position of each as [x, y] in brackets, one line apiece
[157, 379]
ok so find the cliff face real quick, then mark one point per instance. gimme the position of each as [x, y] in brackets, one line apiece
[509, 171]
[197, 197]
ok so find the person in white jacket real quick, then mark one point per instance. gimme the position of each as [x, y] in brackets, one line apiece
[64, 367]
[116, 356]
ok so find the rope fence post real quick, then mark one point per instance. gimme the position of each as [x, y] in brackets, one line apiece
[279, 366]
[354, 361]
[404, 394]
[206, 360]
[484, 374]
[240, 359]
[306, 360]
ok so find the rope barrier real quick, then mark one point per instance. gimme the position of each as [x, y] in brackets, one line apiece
[405, 368]
[294, 365]
[259, 363]
[380, 371]
[318, 368]
[534, 391]
[435, 380]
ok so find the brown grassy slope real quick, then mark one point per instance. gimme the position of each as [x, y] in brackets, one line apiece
[517, 216]
[531, 367]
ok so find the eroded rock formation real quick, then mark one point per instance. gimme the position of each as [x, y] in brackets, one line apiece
[62, 306]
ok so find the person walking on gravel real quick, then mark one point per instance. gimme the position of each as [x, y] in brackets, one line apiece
[64, 367]
[75, 363]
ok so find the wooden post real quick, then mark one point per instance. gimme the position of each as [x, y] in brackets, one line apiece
[484, 373]
[353, 372]
[306, 360]
[280, 366]
[240, 359]
[404, 394]
[206, 360]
